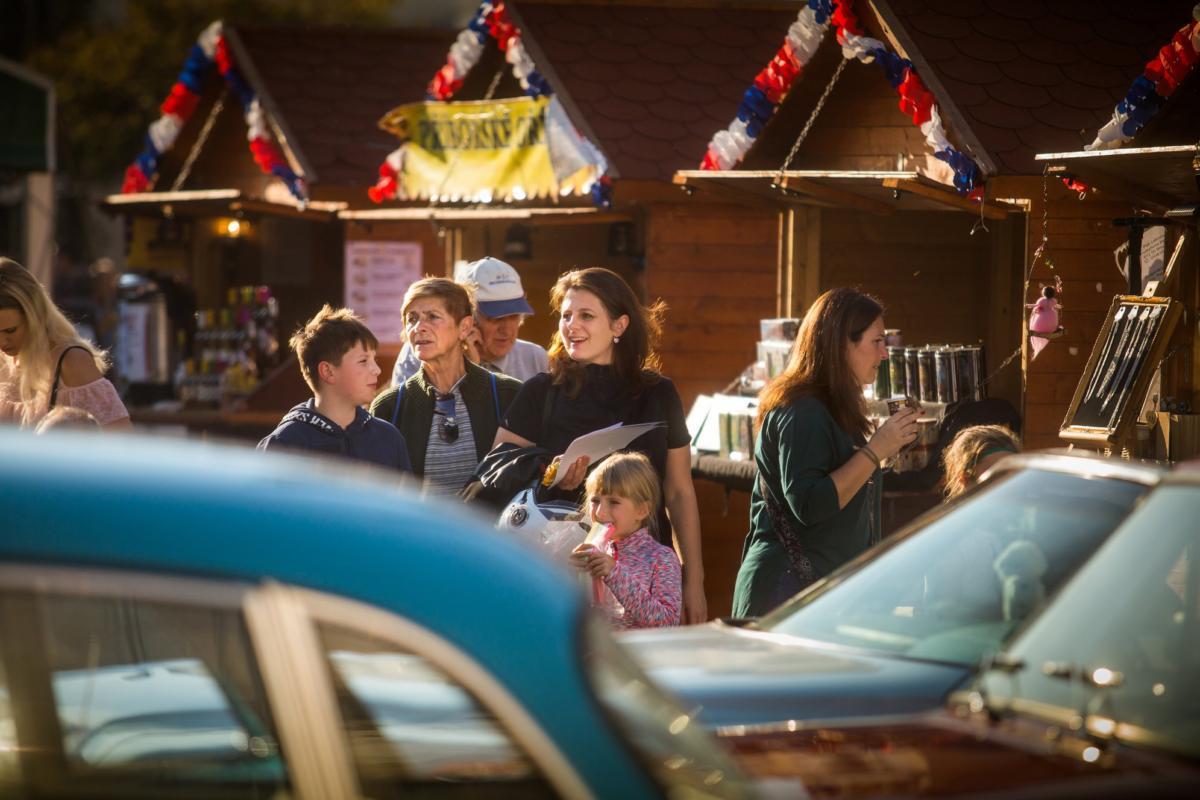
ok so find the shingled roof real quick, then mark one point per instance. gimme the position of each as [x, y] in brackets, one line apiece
[652, 82]
[330, 85]
[1031, 76]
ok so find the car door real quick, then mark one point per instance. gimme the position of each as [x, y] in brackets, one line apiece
[414, 715]
[126, 684]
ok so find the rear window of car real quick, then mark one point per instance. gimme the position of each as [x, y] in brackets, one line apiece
[956, 589]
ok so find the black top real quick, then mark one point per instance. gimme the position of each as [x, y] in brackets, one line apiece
[601, 403]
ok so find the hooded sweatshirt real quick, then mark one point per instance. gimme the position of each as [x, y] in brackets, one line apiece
[367, 438]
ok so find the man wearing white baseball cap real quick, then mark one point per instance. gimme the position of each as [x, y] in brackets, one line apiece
[500, 308]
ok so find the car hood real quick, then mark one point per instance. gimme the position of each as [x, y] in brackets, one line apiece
[940, 754]
[736, 676]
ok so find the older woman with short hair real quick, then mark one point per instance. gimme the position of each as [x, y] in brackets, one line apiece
[450, 409]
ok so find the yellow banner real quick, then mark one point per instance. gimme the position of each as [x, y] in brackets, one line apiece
[476, 151]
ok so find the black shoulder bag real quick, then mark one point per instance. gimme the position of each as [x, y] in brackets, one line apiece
[801, 564]
[508, 468]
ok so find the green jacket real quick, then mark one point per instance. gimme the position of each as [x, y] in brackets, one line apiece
[798, 448]
[416, 410]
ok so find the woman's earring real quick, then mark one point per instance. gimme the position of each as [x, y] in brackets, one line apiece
[616, 339]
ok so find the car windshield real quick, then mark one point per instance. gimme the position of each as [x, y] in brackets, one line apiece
[956, 589]
[1119, 651]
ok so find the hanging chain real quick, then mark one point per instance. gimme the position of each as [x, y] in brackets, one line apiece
[186, 169]
[980, 225]
[811, 119]
[495, 83]
[1041, 248]
[1003, 364]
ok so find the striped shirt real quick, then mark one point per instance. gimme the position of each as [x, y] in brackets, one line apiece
[646, 583]
[450, 465]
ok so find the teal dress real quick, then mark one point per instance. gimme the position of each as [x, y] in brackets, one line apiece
[798, 448]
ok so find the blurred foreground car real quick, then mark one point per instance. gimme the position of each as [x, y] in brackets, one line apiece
[197, 621]
[898, 629]
[1098, 697]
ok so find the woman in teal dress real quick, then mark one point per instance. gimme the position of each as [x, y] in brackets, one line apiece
[816, 503]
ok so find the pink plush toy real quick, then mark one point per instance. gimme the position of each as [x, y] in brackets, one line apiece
[1043, 319]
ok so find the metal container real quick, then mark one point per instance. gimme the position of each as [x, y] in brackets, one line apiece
[966, 374]
[883, 380]
[896, 370]
[892, 338]
[975, 356]
[946, 373]
[926, 376]
[912, 380]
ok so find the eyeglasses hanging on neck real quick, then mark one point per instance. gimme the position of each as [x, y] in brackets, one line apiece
[444, 408]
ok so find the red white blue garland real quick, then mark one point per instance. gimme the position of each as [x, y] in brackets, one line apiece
[491, 21]
[210, 48]
[762, 99]
[1150, 90]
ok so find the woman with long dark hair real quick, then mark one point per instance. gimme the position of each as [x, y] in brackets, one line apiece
[816, 503]
[603, 370]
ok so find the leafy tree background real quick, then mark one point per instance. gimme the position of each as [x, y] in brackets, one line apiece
[112, 71]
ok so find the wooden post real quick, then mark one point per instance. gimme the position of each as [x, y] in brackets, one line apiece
[812, 265]
[1001, 309]
[789, 290]
[781, 257]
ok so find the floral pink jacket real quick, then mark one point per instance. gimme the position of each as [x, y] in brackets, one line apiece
[646, 583]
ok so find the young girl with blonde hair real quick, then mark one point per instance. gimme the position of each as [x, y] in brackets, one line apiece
[972, 452]
[44, 363]
[636, 579]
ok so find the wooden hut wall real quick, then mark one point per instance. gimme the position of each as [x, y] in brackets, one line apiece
[714, 265]
[1081, 240]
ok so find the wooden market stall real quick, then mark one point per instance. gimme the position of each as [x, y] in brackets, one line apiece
[1136, 395]
[859, 198]
[215, 215]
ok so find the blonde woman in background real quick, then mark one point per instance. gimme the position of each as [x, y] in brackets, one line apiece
[44, 364]
[973, 452]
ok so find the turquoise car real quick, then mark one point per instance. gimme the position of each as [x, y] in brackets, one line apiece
[191, 620]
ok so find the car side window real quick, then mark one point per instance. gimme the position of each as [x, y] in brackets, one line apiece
[126, 697]
[414, 731]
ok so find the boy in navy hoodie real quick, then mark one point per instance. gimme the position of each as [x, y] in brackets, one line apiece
[337, 358]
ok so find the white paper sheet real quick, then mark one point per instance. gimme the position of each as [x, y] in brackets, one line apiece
[598, 444]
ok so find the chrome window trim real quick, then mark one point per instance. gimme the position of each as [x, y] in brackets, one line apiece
[100, 581]
[300, 690]
[513, 717]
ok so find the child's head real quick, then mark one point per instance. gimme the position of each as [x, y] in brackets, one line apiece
[337, 355]
[624, 492]
[67, 417]
[973, 451]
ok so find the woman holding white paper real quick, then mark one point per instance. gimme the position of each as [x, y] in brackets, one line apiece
[603, 371]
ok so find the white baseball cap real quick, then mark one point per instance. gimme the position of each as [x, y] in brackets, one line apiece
[498, 290]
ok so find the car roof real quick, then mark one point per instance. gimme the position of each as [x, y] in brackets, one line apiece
[1084, 463]
[216, 511]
